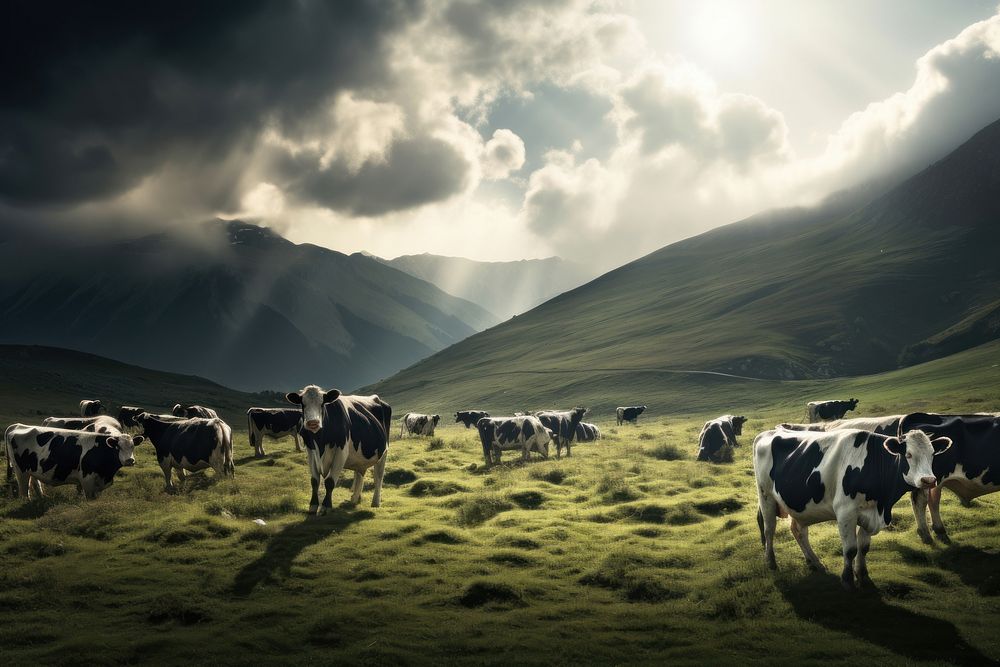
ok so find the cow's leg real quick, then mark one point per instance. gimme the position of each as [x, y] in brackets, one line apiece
[181, 475]
[298, 442]
[569, 451]
[860, 564]
[378, 472]
[359, 482]
[89, 490]
[331, 477]
[767, 516]
[166, 468]
[801, 534]
[313, 457]
[918, 501]
[256, 441]
[23, 482]
[848, 526]
[558, 448]
[36, 487]
[934, 503]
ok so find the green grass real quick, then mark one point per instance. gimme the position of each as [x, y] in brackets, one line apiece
[629, 551]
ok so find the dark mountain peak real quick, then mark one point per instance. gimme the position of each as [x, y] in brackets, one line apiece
[239, 232]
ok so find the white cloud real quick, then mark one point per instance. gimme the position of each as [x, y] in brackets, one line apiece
[503, 154]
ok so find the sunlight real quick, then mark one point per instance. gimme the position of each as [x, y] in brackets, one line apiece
[724, 29]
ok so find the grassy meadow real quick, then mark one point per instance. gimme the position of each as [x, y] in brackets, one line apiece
[629, 551]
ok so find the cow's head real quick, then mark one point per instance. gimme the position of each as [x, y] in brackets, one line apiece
[99, 407]
[435, 419]
[178, 410]
[738, 423]
[579, 413]
[126, 447]
[854, 403]
[312, 399]
[457, 418]
[917, 450]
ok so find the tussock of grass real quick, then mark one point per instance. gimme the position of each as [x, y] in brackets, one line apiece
[253, 506]
[177, 610]
[666, 452]
[719, 507]
[529, 500]
[638, 576]
[645, 435]
[490, 593]
[435, 487]
[518, 542]
[511, 558]
[552, 475]
[441, 536]
[399, 476]
[480, 508]
[35, 548]
[435, 444]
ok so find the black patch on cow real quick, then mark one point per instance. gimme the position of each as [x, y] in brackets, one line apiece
[630, 414]
[43, 438]
[586, 432]
[365, 420]
[880, 478]
[194, 440]
[562, 423]
[713, 441]
[63, 457]
[830, 410]
[975, 444]
[102, 460]
[793, 471]
[25, 458]
[470, 417]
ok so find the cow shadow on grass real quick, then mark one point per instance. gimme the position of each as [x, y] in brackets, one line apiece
[285, 546]
[819, 598]
[975, 567]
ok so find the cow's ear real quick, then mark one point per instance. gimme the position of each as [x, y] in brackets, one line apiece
[941, 445]
[894, 446]
[137, 440]
[112, 441]
[331, 396]
[294, 397]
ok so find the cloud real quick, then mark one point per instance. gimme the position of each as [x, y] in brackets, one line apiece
[503, 154]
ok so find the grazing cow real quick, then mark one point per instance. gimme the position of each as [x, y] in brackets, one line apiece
[629, 414]
[848, 476]
[418, 424]
[718, 438]
[127, 415]
[470, 417]
[971, 468]
[340, 432]
[56, 456]
[189, 444]
[563, 425]
[275, 423]
[98, 424]
[587, 432]
[91, 408]
[500, 434]
[194, 411]
[882, 425]
[829, 410]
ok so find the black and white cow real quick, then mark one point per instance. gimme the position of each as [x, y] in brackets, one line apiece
[562, 424]
[888, 425]
[91, 407]
[971, 468]
[848, 476]
[341, 432]
[526, 433]
[274, 423]
[718, 438]
[629, 414]
[194, 411]
[55, 456]
[470, 417]
[98, 424]
[127, 415]
[829, 410]
[587, 432]
[418, 424]
[189, 445]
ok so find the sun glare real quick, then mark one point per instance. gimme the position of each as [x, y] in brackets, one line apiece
[723, 29]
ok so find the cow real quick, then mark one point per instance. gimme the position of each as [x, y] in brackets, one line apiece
[848, 476]
[56, 456]
[629, 414]
[587, 432]
[189, 445]
[563, 425]
[470, 417]
[193, 411]
[829, 410]
[418, 424]
[971, 468]
[342, 431]
[499, 434]
[127, 415]
[274, 423]
[718, 438]
[91, 407]
[888, 425]
[98, 424]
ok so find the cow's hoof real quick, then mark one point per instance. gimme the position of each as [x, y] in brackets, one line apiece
[942, 535]
[816, 566]
[772, 564]
[925, 536]
[322, 511]
[313, 509]
[847, 581]
[376, 503]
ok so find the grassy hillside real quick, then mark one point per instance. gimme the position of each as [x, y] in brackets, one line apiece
[502, 288]
[908, 277]
[628, 552]
[239, 305]
[38, 382]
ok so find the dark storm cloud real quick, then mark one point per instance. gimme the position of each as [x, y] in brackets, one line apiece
[99, 96]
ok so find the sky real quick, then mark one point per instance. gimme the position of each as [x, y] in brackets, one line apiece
[594, 130]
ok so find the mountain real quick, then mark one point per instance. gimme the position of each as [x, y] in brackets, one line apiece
[234, 303]
[909, 276]
[38, 382]
[503, 288]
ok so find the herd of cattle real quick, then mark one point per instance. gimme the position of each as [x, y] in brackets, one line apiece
[851, 471]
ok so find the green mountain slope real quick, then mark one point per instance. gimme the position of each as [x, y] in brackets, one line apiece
[37, 382]
[503, 288]
[910, 276]
[241, 306]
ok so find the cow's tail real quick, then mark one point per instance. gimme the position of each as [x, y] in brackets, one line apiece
[760, 524]
[225, 434]
[250, 431]
[402, 425]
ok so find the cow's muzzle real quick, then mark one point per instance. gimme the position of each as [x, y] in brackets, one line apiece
[130, 462]
[312, 425]
[928, 482]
